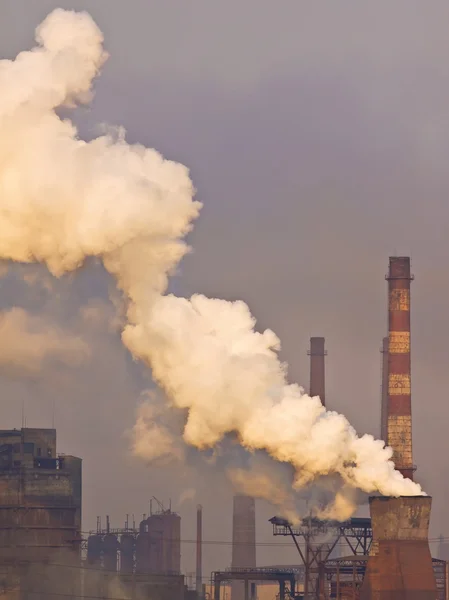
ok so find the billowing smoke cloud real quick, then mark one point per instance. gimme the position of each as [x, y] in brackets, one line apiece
[28, 342]
[63, 199]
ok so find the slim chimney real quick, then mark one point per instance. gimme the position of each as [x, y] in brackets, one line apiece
[199, 558]
[243, 540]
[384, 390]
[399, 411]
[317, 375]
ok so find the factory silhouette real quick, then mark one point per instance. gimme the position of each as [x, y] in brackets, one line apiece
[44, 553]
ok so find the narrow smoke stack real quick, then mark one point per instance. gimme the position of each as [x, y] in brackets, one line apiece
[399, 411]
[400, 564]
[199, 551]
[317, 374]
[243, 540]
[384, 391]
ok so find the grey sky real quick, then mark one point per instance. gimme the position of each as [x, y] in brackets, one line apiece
[317, 134]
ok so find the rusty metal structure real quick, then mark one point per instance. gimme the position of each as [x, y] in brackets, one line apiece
[399, 410]
[317, 355]
[243, 540]
[399, 565]
[355, 534]
[40, 512]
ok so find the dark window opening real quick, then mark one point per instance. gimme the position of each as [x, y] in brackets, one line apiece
[39, 451]
[49, 453]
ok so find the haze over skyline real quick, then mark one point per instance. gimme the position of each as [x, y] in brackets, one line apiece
[313, 157]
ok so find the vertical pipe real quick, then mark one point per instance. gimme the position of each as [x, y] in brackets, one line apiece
[199, 558]
[384, 390]
[446, 581]
[282, 589]
[399, 419]
[246, 584]
[253, 591]
[317, 373]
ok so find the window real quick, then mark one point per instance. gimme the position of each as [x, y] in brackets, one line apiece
[49, 452]
[39, 452]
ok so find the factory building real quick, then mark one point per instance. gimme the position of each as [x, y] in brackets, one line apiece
[143, 561]
[40, 514]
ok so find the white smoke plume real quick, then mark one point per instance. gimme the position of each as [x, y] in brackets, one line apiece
[63, 199]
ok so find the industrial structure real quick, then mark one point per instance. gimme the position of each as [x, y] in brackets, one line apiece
[385, 556]
[400, 564]
[399, 409]
[40, 514]
[243, 541]
[154, 548]
[389, 552]
[199, 553]
[317, 355]
[384, 390]
[144, 559]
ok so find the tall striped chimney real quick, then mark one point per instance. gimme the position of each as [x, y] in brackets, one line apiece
[399, 410]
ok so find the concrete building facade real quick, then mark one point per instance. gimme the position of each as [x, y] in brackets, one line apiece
[40, 510]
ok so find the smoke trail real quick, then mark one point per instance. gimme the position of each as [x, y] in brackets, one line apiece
[63, 199]
[28, 342]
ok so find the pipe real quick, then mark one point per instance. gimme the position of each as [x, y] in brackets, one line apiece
[199, 549]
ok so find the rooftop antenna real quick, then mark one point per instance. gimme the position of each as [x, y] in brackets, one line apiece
[23, 413]
[159, 503]
[53, 408]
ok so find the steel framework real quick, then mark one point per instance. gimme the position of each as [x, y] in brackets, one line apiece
[357, 533]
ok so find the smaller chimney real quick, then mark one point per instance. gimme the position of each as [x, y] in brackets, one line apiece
[243, 540]
[317, 373]
[199, 551]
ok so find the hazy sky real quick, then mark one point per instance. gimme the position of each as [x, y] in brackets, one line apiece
[317, 135]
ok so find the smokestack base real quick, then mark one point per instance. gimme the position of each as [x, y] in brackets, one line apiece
[400, 564]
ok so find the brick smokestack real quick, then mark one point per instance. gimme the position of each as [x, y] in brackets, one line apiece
[317, 374]
[399, 564]
[243, 540]
[399, 411]
[384, 390]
